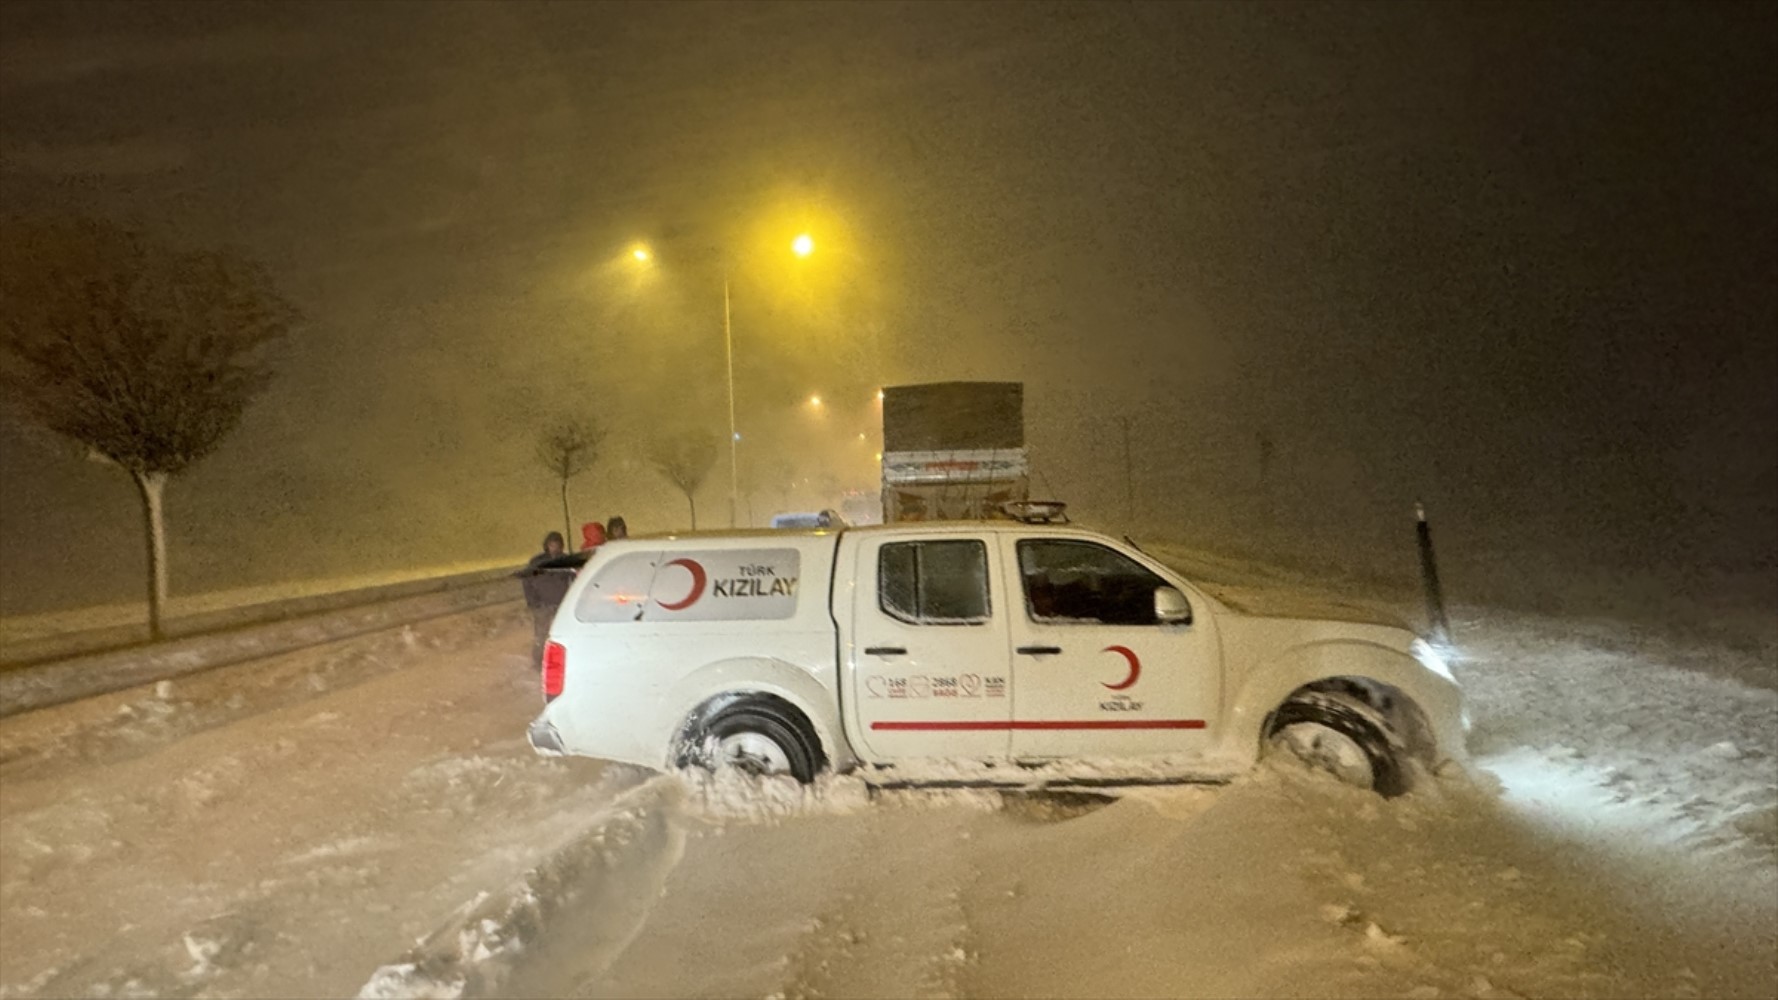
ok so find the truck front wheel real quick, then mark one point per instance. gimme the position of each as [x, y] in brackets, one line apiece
[758, 737]
[1335, 733]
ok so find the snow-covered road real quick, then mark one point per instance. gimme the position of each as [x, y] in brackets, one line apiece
[289, 829]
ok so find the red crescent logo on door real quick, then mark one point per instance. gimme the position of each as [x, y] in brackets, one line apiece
[697, 585]
[1135, 667]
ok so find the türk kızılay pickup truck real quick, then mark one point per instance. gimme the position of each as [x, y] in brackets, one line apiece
[933, 650]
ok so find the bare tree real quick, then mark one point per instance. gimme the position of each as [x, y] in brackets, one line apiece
[568, 448]
[685, 456]
[144, 355]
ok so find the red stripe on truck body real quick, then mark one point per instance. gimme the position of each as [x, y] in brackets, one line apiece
[990, 725]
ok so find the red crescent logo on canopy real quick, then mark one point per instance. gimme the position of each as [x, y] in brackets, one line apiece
[697, 585]
[1135, 667]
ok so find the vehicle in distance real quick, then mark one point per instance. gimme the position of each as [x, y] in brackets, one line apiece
[809, 519]
[929, 648]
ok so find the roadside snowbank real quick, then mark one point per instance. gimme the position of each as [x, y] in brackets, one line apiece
[1675, 732]
[282, 829]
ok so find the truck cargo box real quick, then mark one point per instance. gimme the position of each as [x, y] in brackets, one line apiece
[953, 450]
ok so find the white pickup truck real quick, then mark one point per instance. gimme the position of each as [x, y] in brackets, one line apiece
[938, 650]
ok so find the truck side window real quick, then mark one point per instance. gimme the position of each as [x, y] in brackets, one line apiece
[619, 589]
[1080, 582]
[934, 583]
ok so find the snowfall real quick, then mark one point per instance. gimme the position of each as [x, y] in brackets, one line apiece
[363, 817]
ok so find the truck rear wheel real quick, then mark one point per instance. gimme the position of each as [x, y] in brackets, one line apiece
[1336, 734]
[759, 737]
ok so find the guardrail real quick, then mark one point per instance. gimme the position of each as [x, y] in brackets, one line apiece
[40, 685]
[44, 649]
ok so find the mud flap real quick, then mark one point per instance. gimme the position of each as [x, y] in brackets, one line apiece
[544, 738]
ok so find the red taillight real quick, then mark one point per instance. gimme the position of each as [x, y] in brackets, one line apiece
[555, 666]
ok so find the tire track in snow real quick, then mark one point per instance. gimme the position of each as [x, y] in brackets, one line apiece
[866, 949]
[820, 893]
[564, 921]
[894, 922]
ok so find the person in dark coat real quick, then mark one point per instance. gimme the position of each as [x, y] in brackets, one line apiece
[545, 585]
[553, 546]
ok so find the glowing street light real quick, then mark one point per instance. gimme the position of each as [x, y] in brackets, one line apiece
[815, 401]
[803, 245]
[641, 254]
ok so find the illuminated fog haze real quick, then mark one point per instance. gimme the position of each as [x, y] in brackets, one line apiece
[1519, 261]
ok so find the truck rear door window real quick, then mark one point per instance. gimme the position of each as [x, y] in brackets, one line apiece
[934, 583]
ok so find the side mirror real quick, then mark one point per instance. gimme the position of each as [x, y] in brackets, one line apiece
[1171, 607]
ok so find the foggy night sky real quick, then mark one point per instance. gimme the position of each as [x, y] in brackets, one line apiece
[1519, 260]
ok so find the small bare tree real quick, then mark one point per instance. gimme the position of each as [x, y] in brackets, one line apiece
[568, 448]
[685, 456]
[144, 355]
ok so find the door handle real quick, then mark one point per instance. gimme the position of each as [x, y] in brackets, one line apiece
[885, 651]
[1039, 650]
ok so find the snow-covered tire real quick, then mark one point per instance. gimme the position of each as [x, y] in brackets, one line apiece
[1338, 734]
[760, 736]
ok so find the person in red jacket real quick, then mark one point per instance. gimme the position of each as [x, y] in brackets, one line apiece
[592, 535]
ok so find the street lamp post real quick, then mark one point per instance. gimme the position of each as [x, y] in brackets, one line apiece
[734, 436]
[802, 246]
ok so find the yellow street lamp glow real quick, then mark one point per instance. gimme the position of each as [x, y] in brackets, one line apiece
[640, 253]
[803, 245]
[879, 395]
[814, 400]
